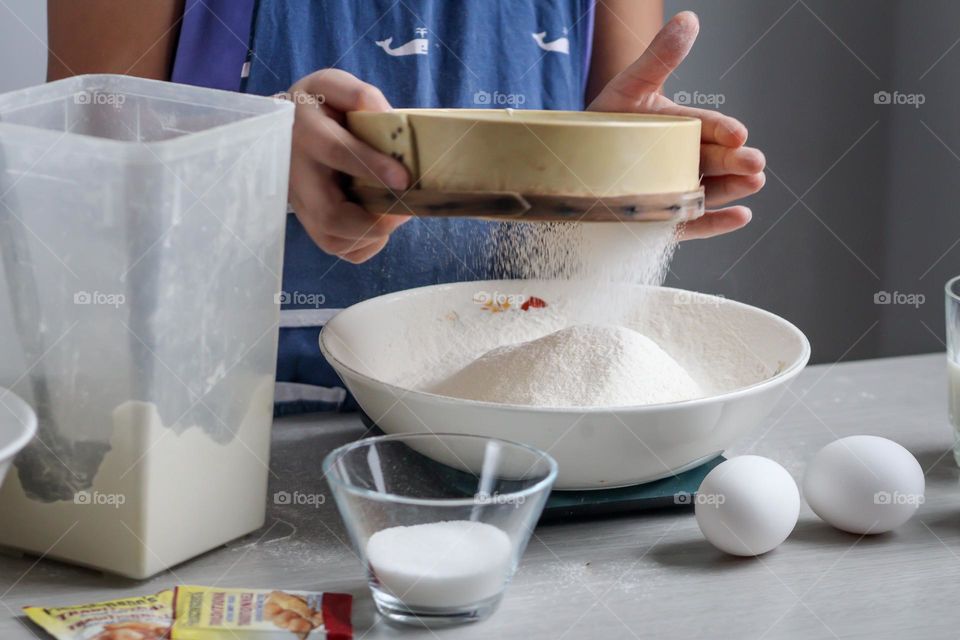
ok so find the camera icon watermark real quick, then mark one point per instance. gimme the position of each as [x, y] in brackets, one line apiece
[699, 99]
[687, 498]
[95, 498]
[100, 98]
[486, 498]
[897, 98]
[899, 298]
[299, 499]
[300, 299]
[302, 98]
[499, 298]
[497, 99]
[114, 300]
[682, 298]
[497, 301]
[897, 498]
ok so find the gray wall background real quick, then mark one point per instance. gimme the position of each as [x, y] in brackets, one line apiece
[859, 196]
[23, 62]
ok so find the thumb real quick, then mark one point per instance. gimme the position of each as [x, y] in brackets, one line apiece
[664, 54]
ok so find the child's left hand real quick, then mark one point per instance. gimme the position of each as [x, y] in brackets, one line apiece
[731, 171]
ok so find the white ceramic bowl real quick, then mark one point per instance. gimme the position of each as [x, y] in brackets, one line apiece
[18, 425]
[378, 345]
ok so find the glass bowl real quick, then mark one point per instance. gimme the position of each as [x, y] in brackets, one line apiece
[439, 520]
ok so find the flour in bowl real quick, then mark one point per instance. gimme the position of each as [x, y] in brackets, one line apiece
[583, 365]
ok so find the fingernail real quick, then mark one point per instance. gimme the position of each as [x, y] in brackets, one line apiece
[690, 14]
[761, 159]
[751, 156]
[396, 179]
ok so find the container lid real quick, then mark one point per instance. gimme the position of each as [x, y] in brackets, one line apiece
[134, 119]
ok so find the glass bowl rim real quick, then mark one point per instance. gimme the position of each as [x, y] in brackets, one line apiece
[506, 498]
[948, 288]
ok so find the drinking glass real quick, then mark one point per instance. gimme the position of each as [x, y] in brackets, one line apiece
[953, 360]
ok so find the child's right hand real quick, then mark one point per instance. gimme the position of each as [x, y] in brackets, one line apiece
[322, 149]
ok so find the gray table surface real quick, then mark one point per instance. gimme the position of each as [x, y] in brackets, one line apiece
[636, 576]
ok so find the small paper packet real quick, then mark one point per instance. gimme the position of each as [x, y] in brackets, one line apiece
[135, 618]
[213, 613]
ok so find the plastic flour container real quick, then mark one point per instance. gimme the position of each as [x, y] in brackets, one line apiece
[141, 231]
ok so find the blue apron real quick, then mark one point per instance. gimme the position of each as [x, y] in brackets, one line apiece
[527, 54]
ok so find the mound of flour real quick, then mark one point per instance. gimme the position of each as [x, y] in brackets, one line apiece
[580, 366]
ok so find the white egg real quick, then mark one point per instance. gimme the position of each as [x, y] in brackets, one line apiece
[864, 484]
[747, 505]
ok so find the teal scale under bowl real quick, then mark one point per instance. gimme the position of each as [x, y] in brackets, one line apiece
[675, 491]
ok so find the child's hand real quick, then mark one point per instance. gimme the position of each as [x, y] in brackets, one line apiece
[731, 170]
[322, 147]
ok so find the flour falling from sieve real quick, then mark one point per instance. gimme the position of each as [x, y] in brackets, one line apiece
[595, 361]
[580, 366]
[595, 258]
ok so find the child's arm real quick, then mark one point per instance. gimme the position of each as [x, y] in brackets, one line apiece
[622, 31]
[133, 37]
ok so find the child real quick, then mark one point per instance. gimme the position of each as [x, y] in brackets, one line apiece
[374, 54]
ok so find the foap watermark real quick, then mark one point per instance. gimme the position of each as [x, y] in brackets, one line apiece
[499, 299]
[114, 300]
[302, 98]
[698, 98]
[711, 499]
[898, 297]
[497, 99]
[696, 298]
[897, 498]
[299, 499]
[100, 98]
[897, 98]
[115, 500]
[300, 299]
[484, 497]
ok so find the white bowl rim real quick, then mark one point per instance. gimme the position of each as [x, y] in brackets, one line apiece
[786, 374]
[28, 421]
[385, 496]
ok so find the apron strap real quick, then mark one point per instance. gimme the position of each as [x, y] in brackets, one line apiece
[214, 42]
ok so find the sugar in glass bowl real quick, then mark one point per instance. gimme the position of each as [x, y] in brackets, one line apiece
[439, 520]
